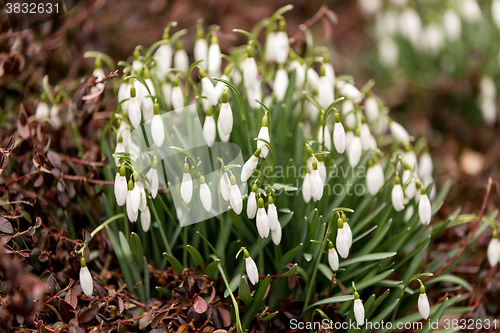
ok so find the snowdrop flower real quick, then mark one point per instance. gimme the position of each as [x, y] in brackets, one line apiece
[224, 185]
[252, 203]
[370, 7]
[152, 175]
[325, 90]
[355, 149]
[411, 187]
[342, 239]
[251, 268]
[250, 72]
[133, 200]
[339, 136]
[208, 88]
[399, 132]
[214, 57]
[272, 212]
[163, 56]
[86, 281]
[143, 200]
[306, 188]
[374, 177]
[488, 110]
[157, 130]
[371, 109]
[432, 38]
[200, 47]
[424, 208]
[408, 213]
[120, 148]
[121, 187]
[166, 90]
[388, 52]
[186, 185]
[42, 110]
[359, 310]
[322, 168]
[423, 303]
[470, 11]
[329, 71]
[146, 219]
[270, 47]
[487, 88]
[181, 59]
[410, 25]
[348, 230]
[147, 104]
[281, 44]
[262, 220]
[205, 194]
[398, 196]
[98, 73]
[254, 93]
[177, 98]
[333, 258]
[225, 120]
[493, 251]
[425, 165]
[223, 137]
[348, 113]
[300, 73]
[235, 196]
[276, 235]
[209, 130]
[367, 140]
[326, 133]
[54, 116]
[124, 93]
[350, 91]
[280, 83]
[495, 12]
[452, 25]
[134, 108]
[123, 131]
[312, 79]
[316, 184]
[250, 165]
[264, 135]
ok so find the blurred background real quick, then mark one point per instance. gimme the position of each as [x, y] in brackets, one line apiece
[435, 63]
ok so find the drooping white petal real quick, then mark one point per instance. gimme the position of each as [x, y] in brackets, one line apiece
[371, 109]
[424, 209]
[186, 187]
[177, 98]
[348, 234]
[120, 189]
[306, 188]
[142, 196]
[399, 132]
[225, 186]
[157, 130]
[201, 52]
[181, 60]
[263, 134]
[411, 188]
[398, 198]
[354, 152]
[316, 185]
[134, 112]
[152, 175]
[223, 137]
[342, 243]
[339, 137]
[235, 199]
[325, 92]
[206, 197]
[329, 73]
[250, 72]
[209, 131]
[300, 73]
[132, 204]
[146, 219]
[359, 312]
[280, 84]
[86, 281]
[493, 252]
[388, 52]
[322, 171]
[163, 58]
[272, 213]
[425, 166]
[42, 111]
[470, 11]
[410, 25]
[366, 137]
[452, 24]
[251, 205]
[423, 306]
[249, 167]
[375, 179]
[271, 47]
[328, 137]
[226, 118]
[263, 224]
[276, 235]
[313, 79]
[252, 271]
[214, 60]
[349, 91]
[209, 91]
[333, 259]
[282, 47]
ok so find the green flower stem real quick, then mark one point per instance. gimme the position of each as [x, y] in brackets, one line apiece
[160, 225]
[99, 228]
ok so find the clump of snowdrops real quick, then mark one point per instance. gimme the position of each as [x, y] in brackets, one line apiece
[332, 195]
[424, 39]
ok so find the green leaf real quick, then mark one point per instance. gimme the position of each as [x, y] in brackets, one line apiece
[136, 248]
[198, 259]
[269, 316]
[290, 255]
[245, 295]
[178, 268]
[164, 291]
[372, 280]
[212, 268]
[364, 234]
[330, 300]
[292, 271]
[367, 257]
[453, 279]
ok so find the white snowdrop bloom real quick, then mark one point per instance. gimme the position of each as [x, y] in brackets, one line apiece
[411, 159]
[86, 281]
[42, 110]
[219, 86]
[329, 72]
[359, 311]
[425, 165]
[276, 235]
[316, 184]
[177, 98]
[488, 110]
[487, 88]
[310, 162]
[250, 72]
[366, 137]
[423, 304]
[124, 93]
[432, 38]
[209, 90]
[381, 125]
[399, 3]
[271, 47]
[333, 258]
[452, 25]
[342, 241]
[136, 64]
[147, 104]
[470, 11]
[98, 73]
[223, 137]
[339, 136]
[300, 73]
[120, 148]
[186, 185]
[133, 201]
[201, 51]
[328, 137]
[388, 52]
[306, 188]
[146, 219]
[134, 108]
[495, 12]
[325, 92]
[399, 132]
[124, 132]
[157, 129]
[143, 200]
[264, 135]
[235, 196]
[348, 113]
[387, 23]
[375, 178]
[281, 44]
[262, 220]
[214, 57]
[152, 175]
[371, 109]
[224, 186]
[354, 151]
[254, 93]
[348, 232]
[280, 84]
[181, 59]
[225, 116]
[369, 7]
[250, 165]
[209, 129]
[322, 169]
[252, 204]
[493, 251]
[398, 196]
[350, 91]
[408, 213]
[121, 187]
[272, 213]
[252, 271]
[313, 79]
[424, 208]
[166, 90]
[205, 195]
[54, 117]
[163, 57]
[410, 25]
[411, 187]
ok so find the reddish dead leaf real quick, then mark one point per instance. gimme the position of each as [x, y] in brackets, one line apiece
[121, 306]
[88, 314]
[212, 296]
[183, 328]
[71, 299]
[23, 127]
[5, 226]
[200, 306]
